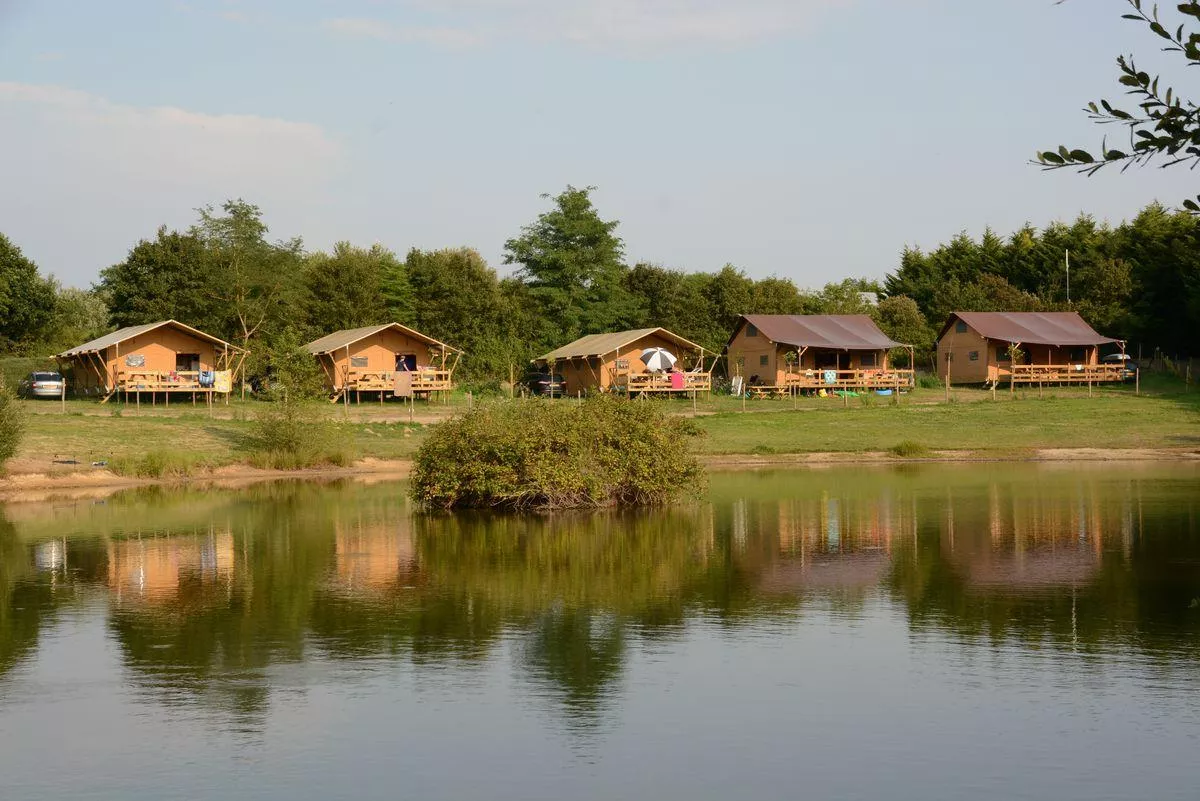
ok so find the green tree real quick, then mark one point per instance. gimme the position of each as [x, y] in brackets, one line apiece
[774, 295]
[571, 260]
[161, 279]
[851, 296]
[256, 283]
[457, 299]
[729, 295]
[344, 289]
[26, 298]
[79, 315]
[1163, 127]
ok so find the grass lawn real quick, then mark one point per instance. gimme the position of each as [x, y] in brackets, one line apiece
[192, 438]
[1109, 421]
[1164, 416]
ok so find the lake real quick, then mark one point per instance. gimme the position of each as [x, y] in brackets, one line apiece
[917, 632]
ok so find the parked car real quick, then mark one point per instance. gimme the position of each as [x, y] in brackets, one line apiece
[41, 385]
[1129, 371]
[540, 383]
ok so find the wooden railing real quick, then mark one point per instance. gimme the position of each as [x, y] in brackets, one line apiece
[1064, 373]
[635, 383]
[850, 379]
[162, 381]
[385, 380]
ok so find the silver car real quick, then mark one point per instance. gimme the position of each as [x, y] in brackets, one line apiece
[41, 385]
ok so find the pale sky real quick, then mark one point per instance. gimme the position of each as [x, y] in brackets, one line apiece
[811, 139]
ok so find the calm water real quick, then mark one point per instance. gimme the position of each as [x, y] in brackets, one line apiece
[933, 633]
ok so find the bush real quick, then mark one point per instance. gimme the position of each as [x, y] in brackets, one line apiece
[284, 367]
[908, 449]
[290, 435]
[12, 424]
[540, 454]
[160, 464]
[929, 382]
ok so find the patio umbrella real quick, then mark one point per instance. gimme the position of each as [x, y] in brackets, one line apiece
[658, 360]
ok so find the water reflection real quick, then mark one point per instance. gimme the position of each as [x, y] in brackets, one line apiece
[209, 593]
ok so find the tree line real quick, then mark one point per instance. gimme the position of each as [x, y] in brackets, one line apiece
[1139, 281]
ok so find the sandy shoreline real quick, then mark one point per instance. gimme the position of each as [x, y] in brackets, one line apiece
[34, 485]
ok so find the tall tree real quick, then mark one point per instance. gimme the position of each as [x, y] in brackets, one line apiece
[255, 282]
[571, 260]
[1163, 127]
[161, 279]
[345, 288]
[728, 293]
[458, 299]
[26, 298]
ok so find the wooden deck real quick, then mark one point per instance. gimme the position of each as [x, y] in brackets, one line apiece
[1060, 373]
[849, 379]
[166, 381]
[424, 382]
[660, 383]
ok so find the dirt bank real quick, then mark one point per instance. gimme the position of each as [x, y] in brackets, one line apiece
[18, 485]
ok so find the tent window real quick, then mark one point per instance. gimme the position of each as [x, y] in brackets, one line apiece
[1002, 355]
[762, 360]
[135, 360]
[358, 361]
[960, 327]
[751, 330]
[1078, 355]
[973, 355]
[868, 360]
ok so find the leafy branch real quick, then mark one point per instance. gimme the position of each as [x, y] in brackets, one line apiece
[1163, 127]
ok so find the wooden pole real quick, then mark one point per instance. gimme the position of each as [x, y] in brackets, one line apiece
[63, 394]
[512, 381]
[1137, 381]
[949, 361]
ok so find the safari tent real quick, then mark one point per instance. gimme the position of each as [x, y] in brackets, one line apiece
[164, 358]
[787, 352]
[978, 347]
[643, 361]
[386, 359]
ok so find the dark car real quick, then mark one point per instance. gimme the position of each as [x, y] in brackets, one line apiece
[1129, 368]
[41, 385]
[539, 383]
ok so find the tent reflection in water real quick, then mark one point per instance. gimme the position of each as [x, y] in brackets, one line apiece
[640, 362]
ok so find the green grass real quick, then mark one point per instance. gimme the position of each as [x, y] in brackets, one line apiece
[1108, 421]
[178, 439]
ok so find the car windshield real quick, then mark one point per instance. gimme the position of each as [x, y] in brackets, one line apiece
[46, 377]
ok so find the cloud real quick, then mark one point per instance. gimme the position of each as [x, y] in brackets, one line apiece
[443, 37]
[79, 166]
[597, 23]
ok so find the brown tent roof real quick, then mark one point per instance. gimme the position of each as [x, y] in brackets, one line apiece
[604, 344]
[1033, 328]
[129, 332]
[348, 336]
[833, 331]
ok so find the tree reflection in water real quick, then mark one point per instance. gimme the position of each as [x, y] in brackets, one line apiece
[210, 592]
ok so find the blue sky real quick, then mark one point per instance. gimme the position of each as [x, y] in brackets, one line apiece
[811, 139]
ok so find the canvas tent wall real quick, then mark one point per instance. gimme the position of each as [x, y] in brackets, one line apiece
[368, 358]
[780, 349]
[975, 347]
[601, 362]
[167, 356]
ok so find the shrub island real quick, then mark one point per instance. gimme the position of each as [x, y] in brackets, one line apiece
[601, 452]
